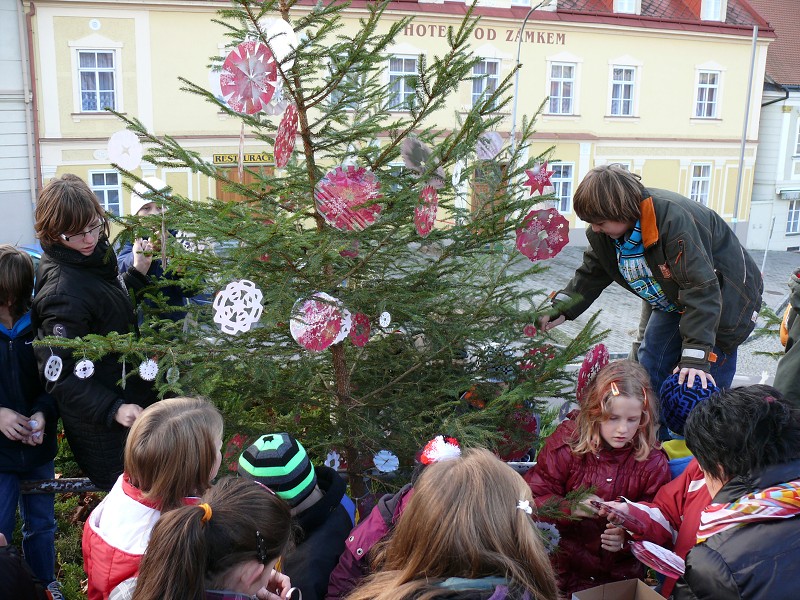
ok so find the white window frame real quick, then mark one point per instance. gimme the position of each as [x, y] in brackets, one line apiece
[700, 182]
[406, 90]
[101, 191]
[615, 84]
[485, 80]
[560, 182]
[793, 217]
[701, 101]
[562, 80]
[712, 10]
[96, 43]
[797, 140]
[631, 7]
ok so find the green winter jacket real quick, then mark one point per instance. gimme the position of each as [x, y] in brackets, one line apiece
[699, 263]
[787, 378]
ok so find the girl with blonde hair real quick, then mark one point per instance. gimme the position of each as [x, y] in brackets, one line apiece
[608, 445]
[171, 456]
[466, 533]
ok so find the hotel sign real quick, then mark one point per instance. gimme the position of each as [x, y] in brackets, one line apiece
[250, 158]
[549, 38]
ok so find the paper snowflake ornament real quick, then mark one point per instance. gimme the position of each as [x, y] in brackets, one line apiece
[539, 177]
[316, 321]
[125, 150]
[281, 39]
[84, 369]
[439, 449]
[417, 158]
[595, 359]
[333, 460]
[279, 102]
[248, 78]
[489, 145]
[345, 198]
[549, 534]
[359, 334]
[384, 319]
[285, 138]
[458, 170]
[148, 370]
[53, 367]
[347, 326]
[529, 330]
[238, 306]
[385, 461]
[543, 234]
[425, 211]
[536, 357]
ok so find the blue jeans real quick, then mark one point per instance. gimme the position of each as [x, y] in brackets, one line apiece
[38, 519]
[660, 351]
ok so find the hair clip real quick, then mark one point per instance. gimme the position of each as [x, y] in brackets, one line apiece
[769, 399]
[265, 487]
[614, 389]
[644, 403]
[261, 547]
[207, 512]
[525, 506]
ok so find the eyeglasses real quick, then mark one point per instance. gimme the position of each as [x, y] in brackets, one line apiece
[94, 232]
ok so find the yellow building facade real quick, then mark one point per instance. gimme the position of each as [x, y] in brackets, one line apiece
[666, 97]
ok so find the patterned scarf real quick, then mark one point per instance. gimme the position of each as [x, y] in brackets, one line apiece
[634, 269]
[777, 502]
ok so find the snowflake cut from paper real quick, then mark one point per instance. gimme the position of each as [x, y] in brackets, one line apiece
[249, 77]
[386, 461]
[595, 359]
[125, 150]
[359, 334]
[238, 306]
[539, 177]
[529, 330]
[345, 198]
[489, 145]
[543, 234]
[285, 138]
[316, 321]
[425, 211]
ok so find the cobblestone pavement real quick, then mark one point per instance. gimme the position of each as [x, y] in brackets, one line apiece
[619, 309]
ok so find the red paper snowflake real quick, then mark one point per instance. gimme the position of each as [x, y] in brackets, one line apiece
[284, 140]
[425, 211]
[536, 357]
[248, 78]
[595, 359]
[538, 177]
[345, 198]
[359, 334]
[529, 330]
[543, 234]
[316, 322]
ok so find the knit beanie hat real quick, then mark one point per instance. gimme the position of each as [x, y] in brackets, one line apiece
[140, 193]
[280, 462]
[678, 400]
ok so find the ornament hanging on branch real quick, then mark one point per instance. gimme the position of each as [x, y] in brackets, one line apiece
[346, 328]
[238, 306]
[173, 375]
[125, 150]
[543, 234]
[148, 370]
[345, 198]
[529, 330]
[84, 369]
[285, 138]
[281, 39]
[279, 102]
[539, 178]
[333, 460]
[595, 359]
[316, 321]
[425, 211]
[385, 319]
[417, 158]
[489, 145]
[386, 461]
[249, 77]
[53, 367]
[359, 334]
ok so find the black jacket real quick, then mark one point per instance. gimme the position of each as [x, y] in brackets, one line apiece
[323, 529]
[750, 562]
[787, 377]
[21, 390]
[78, 295]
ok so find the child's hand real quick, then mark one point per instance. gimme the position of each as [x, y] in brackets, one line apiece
[127, 414]
[545, 324]
[142, 255]
[688, 375]
[613, 539]
[14, 425]
[584, 510]
[278, 586]
[36, 423]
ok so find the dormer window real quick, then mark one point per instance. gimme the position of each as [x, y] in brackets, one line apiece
[631, 7]
[713, 10]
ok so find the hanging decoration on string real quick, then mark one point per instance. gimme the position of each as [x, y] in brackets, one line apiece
[238, 306]
[279, 102]
[281, 39]
[173, 375]
[125, 150]
[359, 334]
[84, 368]
[595, 359]
[384, 319]
[124, 380]
[316, 321]
[333, 460]
[53, 367]
[539, 178]
[543, 234]
[285, 138]
[148, 370]
[529, 330]
[386, 461]
[417, 157]
[248, 78]
[346, 328]
[425, 211]
[345, 198]
[489, 145]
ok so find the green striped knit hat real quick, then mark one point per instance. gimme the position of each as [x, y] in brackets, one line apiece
[280, 462]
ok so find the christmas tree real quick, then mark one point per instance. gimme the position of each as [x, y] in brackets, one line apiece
[361, 306]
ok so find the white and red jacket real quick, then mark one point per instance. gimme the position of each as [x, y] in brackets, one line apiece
[672, 518]
[115, 537]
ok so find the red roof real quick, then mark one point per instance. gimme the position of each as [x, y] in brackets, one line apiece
[783, 56]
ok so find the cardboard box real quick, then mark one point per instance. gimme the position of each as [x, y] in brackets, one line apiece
[631, 589]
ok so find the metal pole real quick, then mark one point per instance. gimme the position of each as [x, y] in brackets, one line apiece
[735, 220]
[766, 250]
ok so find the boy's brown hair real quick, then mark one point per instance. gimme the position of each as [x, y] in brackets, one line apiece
[66, 205]
[16, 280]
[609, 193]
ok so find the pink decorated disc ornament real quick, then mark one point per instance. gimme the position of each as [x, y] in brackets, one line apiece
[489, 145]
[284, 140]
[316, 321]
[249, 77]
[359, 334]
[595, 359]
[425, 211]
[543, 234]
[345, 198]
[529, 330]
[539, 177]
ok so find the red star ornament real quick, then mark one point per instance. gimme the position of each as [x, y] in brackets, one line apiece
[539, 177]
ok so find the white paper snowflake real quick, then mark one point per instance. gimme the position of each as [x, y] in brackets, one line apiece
[52, 368]
[347, 325]
[386, 462]
[84, 369]
[333, 460]
[238, 306]
[384, 319]
[148, 369]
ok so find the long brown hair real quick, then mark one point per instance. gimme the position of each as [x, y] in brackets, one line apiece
[66, 205]
[463, 521]
[171, 450]
[16, 280]
[192, 549]
[609, 193]
[629, 379]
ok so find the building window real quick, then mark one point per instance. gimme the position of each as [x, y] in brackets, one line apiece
[711, 10]
[486, 74]
[701, 183]
[625, 6]
[402, 81]
[96, 73]
[793, 218]
[707, 94]
[622, 87]
[797, 145]
[562, 88]
[562, 182]
[105, 185]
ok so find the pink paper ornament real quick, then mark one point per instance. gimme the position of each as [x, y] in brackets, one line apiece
[595, 359]
[529, 330]
[284, 140]
[316, 321]
[359, 334]
[425, 211]
[345, 198]
[249, 77]
[489, 145]
[543, 234]
[539, 177]
[536, 357]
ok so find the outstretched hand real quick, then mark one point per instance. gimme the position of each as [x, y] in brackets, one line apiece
[688, 375]
[546, 324]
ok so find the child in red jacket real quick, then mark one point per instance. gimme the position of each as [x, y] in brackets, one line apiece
[610, 446]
